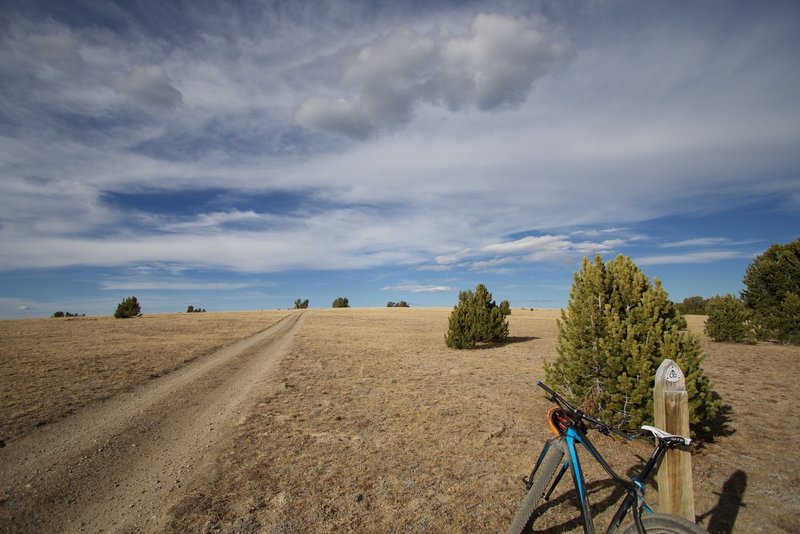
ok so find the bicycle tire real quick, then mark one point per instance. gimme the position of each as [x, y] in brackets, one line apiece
[665, 524]
[541, 481]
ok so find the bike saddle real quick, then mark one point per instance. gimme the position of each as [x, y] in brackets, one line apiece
[666, 436]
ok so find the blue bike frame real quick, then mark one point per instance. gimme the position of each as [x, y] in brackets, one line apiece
[635, 487]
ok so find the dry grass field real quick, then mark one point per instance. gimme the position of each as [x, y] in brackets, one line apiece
[380, 428]
[50, 368]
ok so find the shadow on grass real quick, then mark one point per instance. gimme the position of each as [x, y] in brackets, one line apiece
[720, 426]
[508, 341]
[722, 517]
[570, 501]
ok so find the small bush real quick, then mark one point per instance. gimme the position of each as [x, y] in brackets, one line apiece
[477, 319]
[728, 319]
[300, 304]
[341, 302]
[128, 308]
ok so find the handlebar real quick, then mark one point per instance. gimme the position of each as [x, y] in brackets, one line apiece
[579, 416]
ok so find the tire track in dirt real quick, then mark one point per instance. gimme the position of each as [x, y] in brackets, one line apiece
[120, 464]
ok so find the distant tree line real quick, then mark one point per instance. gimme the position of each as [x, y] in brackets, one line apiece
[68, 314]
[693, 306]
[192, 309]
[401, 304]
[300, 304]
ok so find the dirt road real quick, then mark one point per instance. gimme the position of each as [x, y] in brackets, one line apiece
[119, 465]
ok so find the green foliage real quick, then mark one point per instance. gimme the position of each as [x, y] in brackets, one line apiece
[301, 304]
[789, 318]
[617, 329]
[728, 319]
[192, 309]
[692, 306]
[401, 304]
[341, 302]
[67, 314]
[128, 308]
[772, 284]
[477, 319]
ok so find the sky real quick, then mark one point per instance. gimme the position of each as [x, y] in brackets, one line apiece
[241, 155]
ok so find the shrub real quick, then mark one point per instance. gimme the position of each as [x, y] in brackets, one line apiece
[617, 329]
[728, 319]
[770, 281]
[58, 314]
[401, 304]
[341, 302]
[477, 319]
[300, 304]
[128, 308]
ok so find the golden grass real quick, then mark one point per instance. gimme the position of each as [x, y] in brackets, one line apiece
[52, 367]
[380, 428]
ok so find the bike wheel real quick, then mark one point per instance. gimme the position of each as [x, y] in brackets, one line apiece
[665, 524]
[541, 481]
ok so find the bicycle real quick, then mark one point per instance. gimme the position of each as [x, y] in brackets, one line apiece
[570, 426]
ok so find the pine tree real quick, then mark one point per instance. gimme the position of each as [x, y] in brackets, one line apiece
[477, 319]
[771, 279]
[728, 319]
[128, 308]
[617, 329]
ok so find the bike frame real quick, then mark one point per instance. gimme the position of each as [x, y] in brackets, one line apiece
[575, 436]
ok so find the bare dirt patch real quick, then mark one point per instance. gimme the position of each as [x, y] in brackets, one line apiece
[380, 428]
[50, 368]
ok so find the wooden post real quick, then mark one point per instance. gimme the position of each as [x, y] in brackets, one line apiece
[671, 403]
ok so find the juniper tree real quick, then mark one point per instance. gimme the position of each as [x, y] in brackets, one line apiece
[477, 319]
[128, 308]
[772, 288]
[728, 319]
[616, 330]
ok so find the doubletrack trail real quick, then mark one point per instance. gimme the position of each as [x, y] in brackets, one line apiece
[120, 464]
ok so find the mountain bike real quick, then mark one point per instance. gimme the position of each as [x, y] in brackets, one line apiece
[559, 455]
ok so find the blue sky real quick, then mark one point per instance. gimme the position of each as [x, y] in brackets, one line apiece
[240, 155]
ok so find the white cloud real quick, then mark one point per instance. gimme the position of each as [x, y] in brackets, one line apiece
[417, 288]
[693, 257]
[493, 67]
[169, 285]
[149, 86]
[59, 50]
[698, 242]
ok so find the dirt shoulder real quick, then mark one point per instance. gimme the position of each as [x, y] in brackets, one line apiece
[117, 465]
